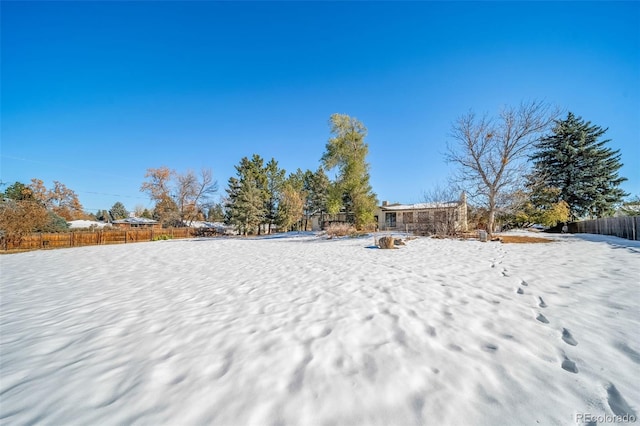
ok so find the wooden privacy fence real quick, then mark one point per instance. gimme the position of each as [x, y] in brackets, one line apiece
[90, 238]
[623, 227]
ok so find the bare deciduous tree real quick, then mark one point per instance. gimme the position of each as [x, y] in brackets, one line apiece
[158, 185]
[490, 153]
[192, 191]
[446, 215]
[185, 192]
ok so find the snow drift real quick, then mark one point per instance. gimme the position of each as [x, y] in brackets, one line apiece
[305, 331]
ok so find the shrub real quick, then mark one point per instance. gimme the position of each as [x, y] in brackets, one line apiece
[340, 230]
[162, 237]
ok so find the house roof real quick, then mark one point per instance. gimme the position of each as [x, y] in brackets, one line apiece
[136, 221]
[202, 224]
[420, 206]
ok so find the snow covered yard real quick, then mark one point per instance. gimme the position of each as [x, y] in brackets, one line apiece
[305, 331]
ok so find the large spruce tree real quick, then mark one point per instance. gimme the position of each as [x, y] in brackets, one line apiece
[248, 195]
[275, 177]
[575, 162]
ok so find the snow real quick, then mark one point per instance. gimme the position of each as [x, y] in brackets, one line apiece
[218, 226]
[301, 330]
[421, 206]
[81, 224]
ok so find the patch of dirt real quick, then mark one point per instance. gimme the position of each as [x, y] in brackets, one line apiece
[507, 239]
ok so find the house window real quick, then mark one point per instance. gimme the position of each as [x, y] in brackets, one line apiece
[423, 217]
[390, 220]
[440, 216]
[407, 217]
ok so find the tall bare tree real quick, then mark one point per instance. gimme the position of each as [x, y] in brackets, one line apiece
[158, 185]
[490, 152]
[193, 192]
[179, 197]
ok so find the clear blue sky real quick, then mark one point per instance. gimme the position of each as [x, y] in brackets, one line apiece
[95, 93]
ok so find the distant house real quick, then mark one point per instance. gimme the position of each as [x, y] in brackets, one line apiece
[137, 222]
[445, 217]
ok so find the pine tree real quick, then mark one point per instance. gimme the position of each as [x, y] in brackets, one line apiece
[576, 164]
[19, 192]
[215, 213]
[275, 180]
[249, 188]
[104, 216]
[118, 211]
[249, 207]
[317, 186]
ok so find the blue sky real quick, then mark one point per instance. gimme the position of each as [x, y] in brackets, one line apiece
[95, 93]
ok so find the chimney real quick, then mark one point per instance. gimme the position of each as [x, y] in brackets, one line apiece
[385, 203]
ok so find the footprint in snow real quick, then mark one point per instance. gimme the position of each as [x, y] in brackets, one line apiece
[524, 283]
[617, 403]
[542, 304]
[520, 291]
[542, 319]
[568, 338]
[490, 347]
[569, 365]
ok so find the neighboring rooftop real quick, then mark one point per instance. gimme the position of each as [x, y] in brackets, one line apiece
[136, 221]
[420, 206]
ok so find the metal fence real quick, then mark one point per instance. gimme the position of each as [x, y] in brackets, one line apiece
[623, 227]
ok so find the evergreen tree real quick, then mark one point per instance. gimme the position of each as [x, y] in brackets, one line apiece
[275, 180]
[249, 188]
[54, 223]
[233, 192]
[574, 162]
[249, 207]
[104, 216]
[318, 188]
[315, 193]
[346, 151]
[118, 211]
[19, 192]
[216, 213]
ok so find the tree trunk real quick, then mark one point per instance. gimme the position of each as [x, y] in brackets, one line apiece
[492, 217]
